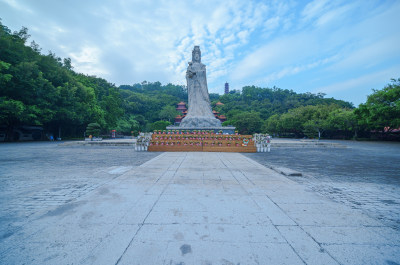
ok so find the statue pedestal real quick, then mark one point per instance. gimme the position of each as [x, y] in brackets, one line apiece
[224, 129]
[201, 142]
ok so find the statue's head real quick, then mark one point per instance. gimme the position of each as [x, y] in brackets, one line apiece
[196, 54]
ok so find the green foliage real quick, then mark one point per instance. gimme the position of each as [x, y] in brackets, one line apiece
[150, 102]
[270, 101]
[11, 111]
[127, 125]
[344, 121]
[45, 91]
[246, 122]
[168, 113]
[311, 121]
[4, 78]
[381, 112]
[93, 129]
[159, 125]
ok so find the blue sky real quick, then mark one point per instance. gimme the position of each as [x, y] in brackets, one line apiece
[341, 48]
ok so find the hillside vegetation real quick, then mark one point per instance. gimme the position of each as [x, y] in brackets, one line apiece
[44, 90]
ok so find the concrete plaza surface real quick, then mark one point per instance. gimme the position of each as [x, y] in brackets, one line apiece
[200, 208]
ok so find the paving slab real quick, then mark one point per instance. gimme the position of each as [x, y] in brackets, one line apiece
[200, 208]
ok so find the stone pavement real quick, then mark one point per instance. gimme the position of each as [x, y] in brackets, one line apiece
[202, 208]
[364, 175]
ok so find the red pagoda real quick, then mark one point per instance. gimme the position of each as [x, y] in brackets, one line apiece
[181, 107]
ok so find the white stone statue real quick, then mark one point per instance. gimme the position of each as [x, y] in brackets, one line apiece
[199, 114]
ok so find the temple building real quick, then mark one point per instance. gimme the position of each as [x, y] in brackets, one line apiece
[222, 118]
[215, 113]
[178, 119]
[181, 107]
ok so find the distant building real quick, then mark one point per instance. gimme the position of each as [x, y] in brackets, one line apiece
[178, 119]
[226, 88]
[222, 118]
[181, 107]
[215, 114]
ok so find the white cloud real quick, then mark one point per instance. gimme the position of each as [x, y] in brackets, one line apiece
[272, 23]
[241, 41]
[292, 70]
[339, 50]
[332, 15]
[315, 8]
[365, 81]
[16, 5]
[279, 53]
[369, 55]
[228, 39]
[87, 60]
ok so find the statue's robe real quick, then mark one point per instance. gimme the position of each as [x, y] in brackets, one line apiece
[199, 114]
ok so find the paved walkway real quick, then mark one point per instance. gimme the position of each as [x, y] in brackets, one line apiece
[202, 208]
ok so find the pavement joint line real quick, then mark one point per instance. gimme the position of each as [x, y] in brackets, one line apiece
[301, 227]
[233, 175]
[276, 227]
[344, 232]
[297, 224]
[260, 207]
[144, 220]
[72, 200]
[290, 245]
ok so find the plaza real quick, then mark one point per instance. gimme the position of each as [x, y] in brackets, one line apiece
[111, 205]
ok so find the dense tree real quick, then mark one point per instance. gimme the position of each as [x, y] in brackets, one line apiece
[128, 125]
[93, 129]
[343, 122]
[381, 112]
[159, 125]
[43, 90]
[270, 101]
[311, 121]
[246, 122]
[168, 113]
[152, 101]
